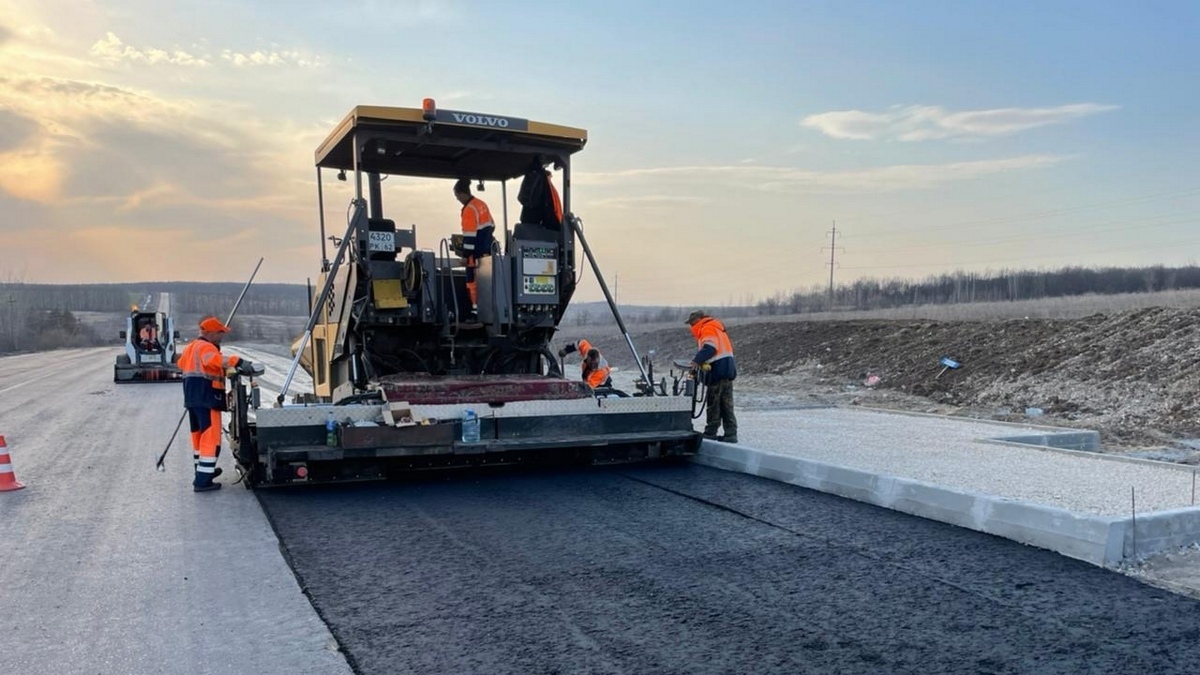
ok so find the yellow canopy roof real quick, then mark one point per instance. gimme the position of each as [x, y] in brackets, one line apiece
[455, 144]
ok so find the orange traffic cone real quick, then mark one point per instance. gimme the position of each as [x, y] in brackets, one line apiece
[8, 479]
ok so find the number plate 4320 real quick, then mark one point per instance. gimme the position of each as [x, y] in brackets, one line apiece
[381, 241]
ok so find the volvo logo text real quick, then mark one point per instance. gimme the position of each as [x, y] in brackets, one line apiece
[481, 120]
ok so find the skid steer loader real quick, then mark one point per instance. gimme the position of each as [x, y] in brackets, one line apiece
[408, 373]
[150, 354]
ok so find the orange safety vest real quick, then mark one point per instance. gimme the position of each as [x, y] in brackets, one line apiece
[203, 369]
[555, 198]
[600, 374]
[709, 331]
[475, 219]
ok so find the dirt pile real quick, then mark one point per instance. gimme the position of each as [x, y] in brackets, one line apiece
[1133, 375]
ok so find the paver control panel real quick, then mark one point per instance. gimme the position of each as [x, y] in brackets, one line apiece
[537, 274]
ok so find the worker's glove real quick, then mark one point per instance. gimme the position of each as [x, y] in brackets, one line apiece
[243, 367]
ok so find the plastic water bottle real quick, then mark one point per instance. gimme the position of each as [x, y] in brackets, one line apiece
[331, 438]
[470, 427]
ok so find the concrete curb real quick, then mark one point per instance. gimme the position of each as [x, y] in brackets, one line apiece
[1100, 540]
[1078, 441]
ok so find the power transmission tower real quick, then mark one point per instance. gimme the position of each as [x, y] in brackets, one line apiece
[833, 247]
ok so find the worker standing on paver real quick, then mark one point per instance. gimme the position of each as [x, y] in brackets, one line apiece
[594, 369]
[204, 371]
[554, 198]
[716, 369]
[478, 231]
[540, 201]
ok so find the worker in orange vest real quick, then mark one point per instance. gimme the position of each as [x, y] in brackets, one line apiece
[478, 230]
[540, 201]
[594, 369]
[149, 336]
[558, 211]
[716, 369]
[204, 371]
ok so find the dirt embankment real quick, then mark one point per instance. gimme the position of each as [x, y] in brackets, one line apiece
[1133, 375]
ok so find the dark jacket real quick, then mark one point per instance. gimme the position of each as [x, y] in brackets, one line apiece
[537, 200]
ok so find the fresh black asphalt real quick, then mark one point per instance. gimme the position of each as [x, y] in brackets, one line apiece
[684, 569]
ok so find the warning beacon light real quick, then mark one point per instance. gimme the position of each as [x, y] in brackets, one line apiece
[428, 110]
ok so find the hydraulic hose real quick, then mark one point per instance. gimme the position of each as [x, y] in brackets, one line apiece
[699, 397]
[444, 249]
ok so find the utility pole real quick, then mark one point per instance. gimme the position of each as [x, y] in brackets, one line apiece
[12, 321]
[833, 247]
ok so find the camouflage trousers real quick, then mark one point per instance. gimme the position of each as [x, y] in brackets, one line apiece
[720, 409]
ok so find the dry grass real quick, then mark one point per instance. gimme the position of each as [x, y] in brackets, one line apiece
[604, 329]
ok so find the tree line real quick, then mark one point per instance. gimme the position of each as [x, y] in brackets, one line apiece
[190, 297]
[37, 317]
[42, 316]
[40, 330]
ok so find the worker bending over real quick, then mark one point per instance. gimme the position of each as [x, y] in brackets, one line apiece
[594, 368]
[715, 368]
[204, 371]
[478, 230]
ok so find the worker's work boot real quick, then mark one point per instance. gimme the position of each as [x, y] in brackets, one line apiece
[727, 439]
[204, 481]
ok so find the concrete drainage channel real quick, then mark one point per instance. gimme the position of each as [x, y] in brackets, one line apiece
[1099, 538]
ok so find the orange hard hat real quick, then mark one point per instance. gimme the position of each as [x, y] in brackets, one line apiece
[210, 324]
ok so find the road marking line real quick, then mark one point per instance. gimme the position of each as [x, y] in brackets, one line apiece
[56, 369]
[22, 384]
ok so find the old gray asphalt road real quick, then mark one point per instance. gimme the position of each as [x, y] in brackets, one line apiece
[692, 570]
[107, 566]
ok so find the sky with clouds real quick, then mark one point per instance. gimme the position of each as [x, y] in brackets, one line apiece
[143, 140]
